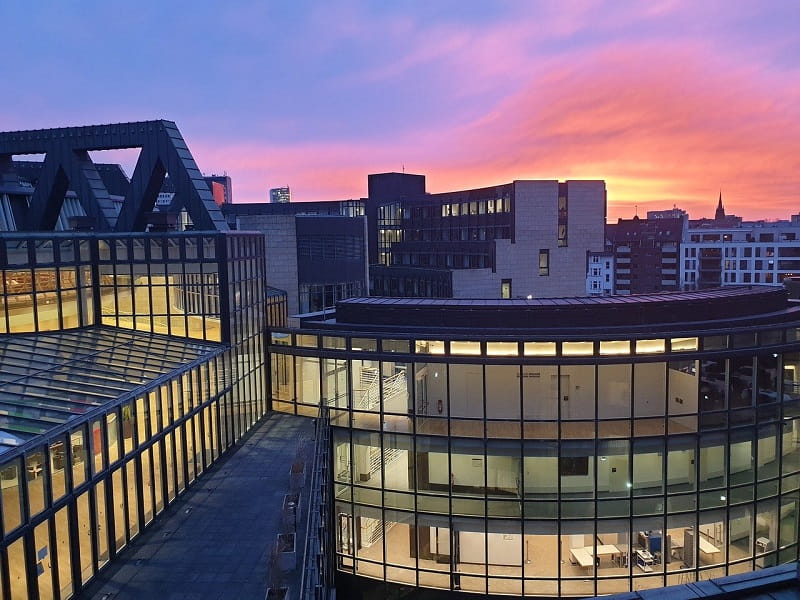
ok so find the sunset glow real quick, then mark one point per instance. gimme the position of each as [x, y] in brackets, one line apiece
[667, 102]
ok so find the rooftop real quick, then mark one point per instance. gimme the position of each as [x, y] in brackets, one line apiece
[48, 379]
[745, 304]
[215, 541]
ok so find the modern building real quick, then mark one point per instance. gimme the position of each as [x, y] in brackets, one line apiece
[280, 195]
[553, 448]
[131, 360]
[525, 238]
[646, 254]
[759, 252]
[316, 251]
[671, 213]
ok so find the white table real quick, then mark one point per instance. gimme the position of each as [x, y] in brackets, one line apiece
[707, 547]
[585, 557]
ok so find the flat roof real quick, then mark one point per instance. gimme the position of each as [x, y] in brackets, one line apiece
[713, 305]
[48, 379]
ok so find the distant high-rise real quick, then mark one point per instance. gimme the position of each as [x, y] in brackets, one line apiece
[280, 195]
[224, 180]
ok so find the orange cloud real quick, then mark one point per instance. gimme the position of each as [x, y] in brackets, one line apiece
[663, 124]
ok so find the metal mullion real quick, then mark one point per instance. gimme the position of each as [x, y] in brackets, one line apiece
[595, 443]
[559, 436]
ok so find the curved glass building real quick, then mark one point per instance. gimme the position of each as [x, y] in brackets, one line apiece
[562, 447]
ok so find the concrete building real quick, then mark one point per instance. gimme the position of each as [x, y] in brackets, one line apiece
[525, 238]
[316, 251]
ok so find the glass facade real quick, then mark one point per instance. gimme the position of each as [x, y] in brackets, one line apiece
[553, 467]
[106, 420]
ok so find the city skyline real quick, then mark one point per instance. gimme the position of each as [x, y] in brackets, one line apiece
[666, 102]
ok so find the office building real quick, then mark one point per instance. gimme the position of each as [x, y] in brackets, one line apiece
[671, 213]
[316, 251]
[525, 238]
[553, 448]
[131, 360]
[280, 195]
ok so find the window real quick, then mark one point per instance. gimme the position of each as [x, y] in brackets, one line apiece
[573, 465]
[562, 221]
[505, 288]
[544, 261]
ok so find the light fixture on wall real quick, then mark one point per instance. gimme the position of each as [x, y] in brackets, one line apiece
[604, 458]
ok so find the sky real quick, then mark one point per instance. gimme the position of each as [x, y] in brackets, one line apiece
[669, 102]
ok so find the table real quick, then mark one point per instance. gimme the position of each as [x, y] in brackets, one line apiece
[706, 547]
[585, 557]
[582, 556]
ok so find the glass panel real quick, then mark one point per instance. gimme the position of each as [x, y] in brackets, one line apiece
[64, 552]
[132, 489]
[169, 467]
[614, 391]
[147, 486]
[112, 427]
[97, 446]
[649, 389]
[466, 391]
[85, 537]
[180, 461]
[118, 491]
[158, 477]
[17, 570]
[540, 348]
[12, 496]
[503, 400]
[465, 348]
[101, 530]
[44, 560]
[34, 463]
[502, 349]
[576, 391]
[615, 347]
[577, 348]
[683, 344]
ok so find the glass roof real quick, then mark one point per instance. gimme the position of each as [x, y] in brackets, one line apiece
[47, 379]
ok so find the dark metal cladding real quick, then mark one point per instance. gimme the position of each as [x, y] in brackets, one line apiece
[717, 305]
[67, 165]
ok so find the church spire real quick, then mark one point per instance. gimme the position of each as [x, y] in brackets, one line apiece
[720, 214]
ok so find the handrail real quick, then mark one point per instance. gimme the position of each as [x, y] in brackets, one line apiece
[316, 581]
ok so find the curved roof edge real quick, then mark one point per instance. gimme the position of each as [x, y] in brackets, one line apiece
[717, 306]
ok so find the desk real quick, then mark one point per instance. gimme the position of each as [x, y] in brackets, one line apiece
[585, 557]
[706, 547]
[582, 556]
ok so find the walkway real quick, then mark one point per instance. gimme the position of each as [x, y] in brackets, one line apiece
[214, 542]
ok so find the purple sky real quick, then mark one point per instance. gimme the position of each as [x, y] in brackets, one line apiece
[666, 101]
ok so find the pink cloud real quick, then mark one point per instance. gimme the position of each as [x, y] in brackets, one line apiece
[663, 124]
